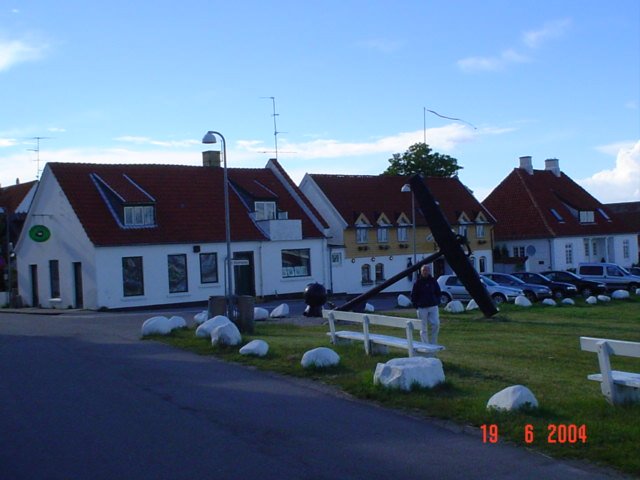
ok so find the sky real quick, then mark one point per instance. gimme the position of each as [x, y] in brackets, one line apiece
[353, 82]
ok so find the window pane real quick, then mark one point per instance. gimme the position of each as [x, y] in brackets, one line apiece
[209, 268]
[132, 277]
[402, 234]
[383, 235]
[177, 273]
[296, 263]
[148, 216]
[362, 235]
[54, 277]
[479, 231]
[128, 215]
[137, 215]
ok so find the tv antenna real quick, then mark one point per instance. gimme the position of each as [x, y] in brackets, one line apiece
[37, 150]
[275, 126]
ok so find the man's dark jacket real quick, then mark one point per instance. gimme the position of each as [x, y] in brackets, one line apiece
[426, 292]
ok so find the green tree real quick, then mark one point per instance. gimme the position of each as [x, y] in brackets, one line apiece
[420, 158]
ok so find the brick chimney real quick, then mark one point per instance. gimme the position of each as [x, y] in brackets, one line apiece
[525, 164]
[211, 158]
[553, 165]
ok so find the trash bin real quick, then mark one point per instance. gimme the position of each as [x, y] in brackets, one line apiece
[217, 306]
[244, 320]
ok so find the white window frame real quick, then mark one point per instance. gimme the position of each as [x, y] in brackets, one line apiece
[362, 235]
[383, 235]
[480, 231]
[265, 210]
[568, 253]
[625, 249]
[403, 235]
[587, 216]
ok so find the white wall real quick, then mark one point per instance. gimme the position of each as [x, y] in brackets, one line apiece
[550, 253]
[267, 270]
[68, 243]
[322, 204]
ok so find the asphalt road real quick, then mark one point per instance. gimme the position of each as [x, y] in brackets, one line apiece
[81, 397]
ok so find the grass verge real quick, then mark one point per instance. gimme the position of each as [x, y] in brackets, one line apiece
[537, 347]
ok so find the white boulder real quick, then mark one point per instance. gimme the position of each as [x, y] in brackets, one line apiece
[591, 300]
[404, 301]
[568, 301]
[260, 313]
[201, 317]
[404, 373]
[604, 298]
[280, 311]
[454, 306]
[368, 308]
[522, 301]
[258, 348]
[620, 294]
[472, 305]
[320, 357]
[550, 302]
[513, 398]
[207, 327]
[177, 322]
[159, 325]
[226, 334]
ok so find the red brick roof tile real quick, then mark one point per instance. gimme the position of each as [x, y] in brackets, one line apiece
[189, 203]
[522, 205]
[373, 195]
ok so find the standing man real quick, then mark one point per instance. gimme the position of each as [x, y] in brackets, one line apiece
[425, 296]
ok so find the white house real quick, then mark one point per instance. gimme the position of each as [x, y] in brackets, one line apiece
[117, 236]
[549, 221]
[371, 222]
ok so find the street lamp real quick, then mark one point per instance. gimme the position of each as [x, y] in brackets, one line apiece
[210, 137]
[406, 188]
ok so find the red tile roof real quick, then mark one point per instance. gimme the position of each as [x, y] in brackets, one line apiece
[629, 212]
[12, 196]
[189, 202]
[373, 195]
[522, 204]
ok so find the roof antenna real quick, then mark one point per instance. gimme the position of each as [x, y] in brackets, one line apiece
[37, 150]
[275, 127]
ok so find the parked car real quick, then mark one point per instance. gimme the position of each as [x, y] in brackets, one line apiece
[584, 286]
[453, 289]
[634, 271]
[532, 291]
[610, 274]
[558, 289]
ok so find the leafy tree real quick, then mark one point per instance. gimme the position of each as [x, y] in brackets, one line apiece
[420, 158]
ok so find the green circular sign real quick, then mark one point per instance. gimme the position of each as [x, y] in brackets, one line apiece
[39, 233]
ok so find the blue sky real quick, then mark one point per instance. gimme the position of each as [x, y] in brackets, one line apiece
[141, 82]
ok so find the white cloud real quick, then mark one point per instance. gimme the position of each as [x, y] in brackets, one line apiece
[56, 129]
[441, 138]
[7, 142]
[531, 39]
[622, 182]
[17, 51]
[506, 58]
[158, 143]
[554, 29]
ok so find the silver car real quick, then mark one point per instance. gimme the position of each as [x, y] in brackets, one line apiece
[532, 291]
[453, 289]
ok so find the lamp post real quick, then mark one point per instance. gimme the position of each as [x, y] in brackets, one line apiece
[209, 138]
[406, 188]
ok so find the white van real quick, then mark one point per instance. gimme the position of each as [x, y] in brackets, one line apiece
[610, 274]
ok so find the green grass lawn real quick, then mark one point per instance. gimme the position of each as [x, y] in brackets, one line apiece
[537, 347]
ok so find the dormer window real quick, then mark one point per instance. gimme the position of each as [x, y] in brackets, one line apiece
[587, 216]
[139, 216]
[265, 210]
